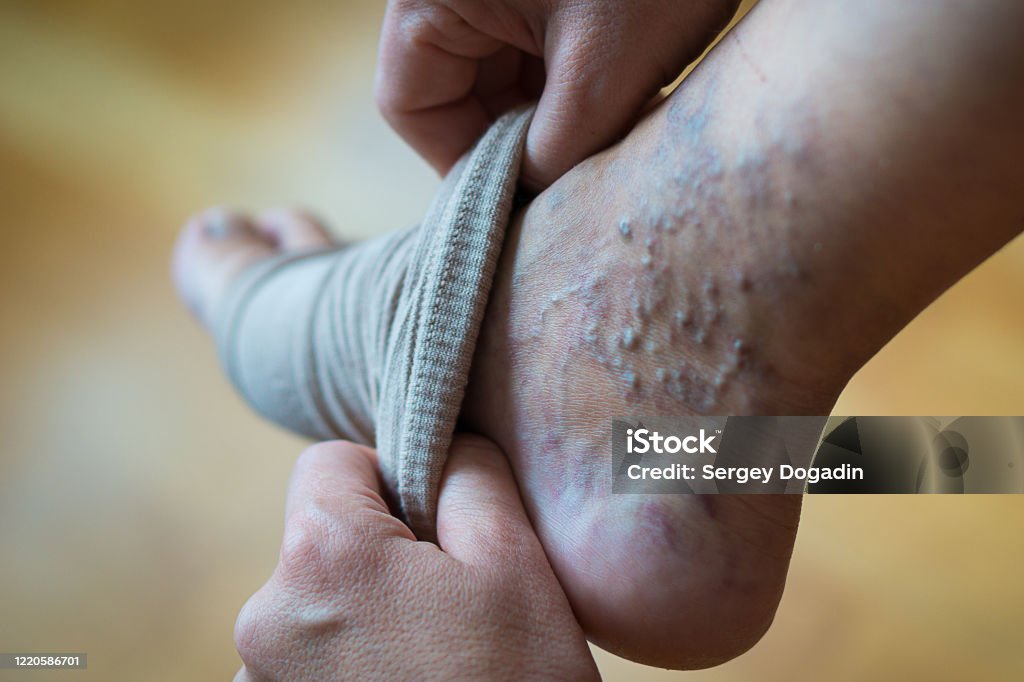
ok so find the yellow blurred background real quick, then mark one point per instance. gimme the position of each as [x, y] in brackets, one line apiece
[141, 502]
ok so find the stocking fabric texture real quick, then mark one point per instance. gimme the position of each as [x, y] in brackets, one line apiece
[373, 342]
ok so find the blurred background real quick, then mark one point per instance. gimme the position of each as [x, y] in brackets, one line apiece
[141, 503]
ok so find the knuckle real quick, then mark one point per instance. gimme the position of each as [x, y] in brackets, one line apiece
[383, 97]
[319, 451]
[408, 27]
[323, 548]
[253, 639]
[388, 93]
[422, 22]
[303, 553]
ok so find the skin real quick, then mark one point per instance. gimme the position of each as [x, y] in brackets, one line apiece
[353, 585]
[449, 68]
[817, 225]
[822, 176]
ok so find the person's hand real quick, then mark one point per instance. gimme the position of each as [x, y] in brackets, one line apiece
[356, 596]
[447, 68]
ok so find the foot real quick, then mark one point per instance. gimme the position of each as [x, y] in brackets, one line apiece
[625, 302]
[675, 274]
[675, 581]
[216, 245]
[760, 235]
[589, 322]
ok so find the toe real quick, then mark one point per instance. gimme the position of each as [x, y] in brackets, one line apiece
[216, 245]
[223, 226]
[293, 230]
[212, 249]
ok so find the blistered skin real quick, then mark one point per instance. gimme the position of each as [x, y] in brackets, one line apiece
[642, 307]
[754, 240]
[654, 320]
[662, 307]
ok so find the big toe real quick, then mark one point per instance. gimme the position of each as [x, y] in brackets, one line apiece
[215, 246]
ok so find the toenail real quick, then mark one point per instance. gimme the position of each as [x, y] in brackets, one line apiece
[227, 226]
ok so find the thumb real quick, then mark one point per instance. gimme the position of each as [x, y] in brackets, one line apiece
[480, 516]
[602, 70]
[582, 110]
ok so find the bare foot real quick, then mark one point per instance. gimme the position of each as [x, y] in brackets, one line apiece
[215, 246]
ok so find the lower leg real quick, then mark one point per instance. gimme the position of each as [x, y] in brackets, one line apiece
[744, 251]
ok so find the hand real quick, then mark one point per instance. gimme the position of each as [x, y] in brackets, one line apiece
[447, 68]
[356, 596]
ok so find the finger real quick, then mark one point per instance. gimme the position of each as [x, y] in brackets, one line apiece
[441, 135]
[427, 68]
[335, 481]
[584, 108]
[602, 71]
[508, 79]
[480, 516]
